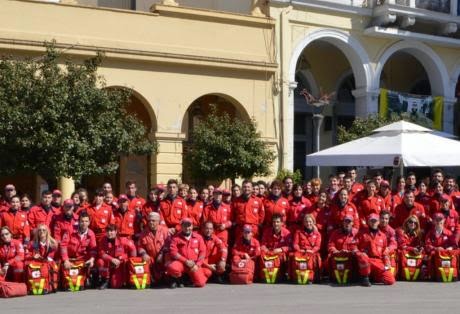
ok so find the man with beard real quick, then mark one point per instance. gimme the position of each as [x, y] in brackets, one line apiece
[65, 222]
[173, 208]
[247, 210]
[219, 214]
[216, 253]
[43, 213]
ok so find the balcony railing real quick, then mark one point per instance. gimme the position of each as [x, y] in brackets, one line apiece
[441, 6]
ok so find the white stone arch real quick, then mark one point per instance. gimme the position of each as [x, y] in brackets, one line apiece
[315, 90]
[347, 44]
[430, 60]
[455, 73]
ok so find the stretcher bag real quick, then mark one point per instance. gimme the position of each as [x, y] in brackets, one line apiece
[341, 268]
[270, 268]
[411, 266]
[139, 273]
[74, 278]
[12, 289]
[38, 278]
[445, 264]
[394, 264]
[303, 268]
[242, 272]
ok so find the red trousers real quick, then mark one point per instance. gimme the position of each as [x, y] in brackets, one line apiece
[374, 268]
[177, 269]
[116, 276]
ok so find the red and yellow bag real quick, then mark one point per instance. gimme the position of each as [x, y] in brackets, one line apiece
[411, 266]
[139, 273]
[302, 268]
[38, 276]
[75, 277]
[445, 265]
[341, 267]
[270, 268]
[242, 272]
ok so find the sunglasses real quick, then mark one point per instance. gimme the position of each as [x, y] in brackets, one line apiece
[9, 190]
[44, 230]
[411, 222]
[5, 234]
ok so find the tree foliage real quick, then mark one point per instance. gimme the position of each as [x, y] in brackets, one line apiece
[224, 147]
[364, 126]
[58, 119]
[296, 175]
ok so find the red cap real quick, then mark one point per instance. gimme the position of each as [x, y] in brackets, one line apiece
[348, 217]
[247, 228]
[57, 192]
[438, 216]
[444, 198]
[226, 192]
[160, 187]
[385, 183]
[185, 221]
[218, 191]
[68, 202]
[373, 217]
[122, 198]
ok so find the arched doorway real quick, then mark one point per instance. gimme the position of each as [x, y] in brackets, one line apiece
[137, 168]
[197, 111]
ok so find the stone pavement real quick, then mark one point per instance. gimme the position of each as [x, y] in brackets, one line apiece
[403, 297]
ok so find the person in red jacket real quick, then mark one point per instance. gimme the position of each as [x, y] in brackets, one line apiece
[247, 248]
[450, 189]
[11, 257]
[216, 253]
[187, 253]
[79, 245]
[342, 207]
[391, 239]
[16, 220]
[220, 215]
[113, 253]
[195, 207]
[451, 222]
[100, 214]
[65, 222]
[153, 245]
[43, 213]
[127, 220]
[276, 241]
[152, 204]
[275, 203]
[299, 206]
[385, 194]
[356, 186]
[408, 208]
[136, 202]
[247, 210]
[173, 208]
[369, 202]
[288, 185]
[9, 192]
[373, 256]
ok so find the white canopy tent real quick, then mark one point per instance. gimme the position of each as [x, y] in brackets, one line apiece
[388, 146]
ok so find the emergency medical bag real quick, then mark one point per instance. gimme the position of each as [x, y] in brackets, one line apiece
[411, 266]
[270, 268]
[74, 278]
[12, 289]
[242, 272]
[341, 267]
[303, 267]
[38, 278]
[139, 273]
[445, 264]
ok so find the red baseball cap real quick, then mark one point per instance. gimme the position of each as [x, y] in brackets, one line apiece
[122, 198]
[373, 217]
[348, 217]
[444, 198]
[218, 191]
[438, 216]
[57, 192]
[385, 183]
[226, 192]
[186, 221]
[247, 228]
[68, 202]
[160, 187]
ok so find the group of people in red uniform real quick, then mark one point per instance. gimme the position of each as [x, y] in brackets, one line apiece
[345, 231]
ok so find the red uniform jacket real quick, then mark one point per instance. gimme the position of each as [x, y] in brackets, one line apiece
[451, 222]
[271, 240]
[445, 239]
[128, 223]
[121, 248]
[4, 205]
[388, 203]
[338, 213]
[79, 246]
[216, 250]
[298, 208]
[45, 250]
[38, 215]
[100, 218]
[136, 203]
[402, 212]
[149, 207]
[391, 238]
[183, 249]
[339, 240]
[11, 253]
[323, 219]
[398, 198]
[252, 249]
[17, 222]
[369, 205]
[60, 225]
[408, 242]
[172, 211]
[195, 212]
[218, 216]
[271, 206]
[248, 212]
[425, 200]
[307, 241]
[153, 244]
[373, 244]
[356, 188]
[313, 198]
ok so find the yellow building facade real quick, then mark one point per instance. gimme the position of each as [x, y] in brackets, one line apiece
[251, 58]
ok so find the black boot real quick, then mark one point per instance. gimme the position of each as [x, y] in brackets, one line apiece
[365, 282]
[104, 284]
[172, 283]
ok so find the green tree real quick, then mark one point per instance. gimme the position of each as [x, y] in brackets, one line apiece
[57, 119]
[364, 126]
[296, 175]
[224, 147]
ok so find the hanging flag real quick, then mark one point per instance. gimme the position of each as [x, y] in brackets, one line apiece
[426, 108]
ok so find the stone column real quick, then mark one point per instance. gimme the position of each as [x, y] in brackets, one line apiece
[366, 102]
[168, 161]
[67, 187]
[448, 115]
